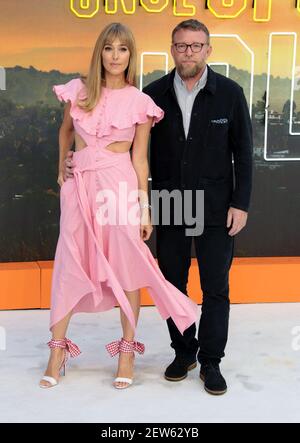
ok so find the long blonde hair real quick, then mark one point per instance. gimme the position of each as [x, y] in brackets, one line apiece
[93, 81]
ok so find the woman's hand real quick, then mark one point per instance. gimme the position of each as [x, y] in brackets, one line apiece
[146, 227]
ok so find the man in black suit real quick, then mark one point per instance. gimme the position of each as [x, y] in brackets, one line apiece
[206, 124]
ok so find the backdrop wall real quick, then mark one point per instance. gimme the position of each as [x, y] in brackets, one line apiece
[51, 41]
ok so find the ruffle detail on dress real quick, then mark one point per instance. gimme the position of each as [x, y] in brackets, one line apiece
[100, 121]
[93, 122]
[97, 123]
[69, 91]
[144, 108]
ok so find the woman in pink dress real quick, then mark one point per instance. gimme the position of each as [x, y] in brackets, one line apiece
[101, 259]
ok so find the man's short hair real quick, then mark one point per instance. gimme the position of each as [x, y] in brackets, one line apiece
[192, 24]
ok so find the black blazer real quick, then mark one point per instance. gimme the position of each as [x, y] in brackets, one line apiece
[220, 129]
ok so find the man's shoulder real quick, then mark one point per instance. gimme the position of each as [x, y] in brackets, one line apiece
[157, 86]
[227, 84]
[223, 83]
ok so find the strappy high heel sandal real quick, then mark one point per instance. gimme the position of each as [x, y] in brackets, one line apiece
[69, 349]
[123, 345]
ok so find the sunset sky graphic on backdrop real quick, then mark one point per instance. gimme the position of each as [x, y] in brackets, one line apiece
[47, 35]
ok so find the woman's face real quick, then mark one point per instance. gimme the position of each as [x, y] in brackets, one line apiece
[115, 57]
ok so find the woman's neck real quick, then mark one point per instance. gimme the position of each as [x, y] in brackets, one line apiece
[114, 83]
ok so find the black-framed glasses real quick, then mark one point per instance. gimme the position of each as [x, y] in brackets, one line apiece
[195, 47]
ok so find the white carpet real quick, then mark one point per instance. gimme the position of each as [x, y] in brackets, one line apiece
[261, 367]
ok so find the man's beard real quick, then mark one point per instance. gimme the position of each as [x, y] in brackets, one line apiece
[186, 71]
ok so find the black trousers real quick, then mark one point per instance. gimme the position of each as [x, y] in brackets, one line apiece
[214, 251]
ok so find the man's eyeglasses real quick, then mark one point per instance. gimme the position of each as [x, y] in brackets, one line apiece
[195, 47]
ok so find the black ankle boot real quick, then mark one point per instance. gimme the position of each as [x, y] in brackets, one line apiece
[178, 369]
[214, 382]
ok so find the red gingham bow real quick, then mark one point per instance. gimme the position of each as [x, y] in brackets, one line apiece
[73, 349]
[125, 346]
[67, 344]
[139, 347]
[113, 348]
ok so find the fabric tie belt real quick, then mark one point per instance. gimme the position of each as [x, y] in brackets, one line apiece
[87, 217]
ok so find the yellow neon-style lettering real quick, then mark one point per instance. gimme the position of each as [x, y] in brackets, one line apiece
[154, 5]
[191, 10]
[78, 6]
[262, 19]
[115, 8]
[225, 4]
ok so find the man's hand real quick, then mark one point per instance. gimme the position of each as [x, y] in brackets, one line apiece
[68, 166]
[60, 179]
[236, 219]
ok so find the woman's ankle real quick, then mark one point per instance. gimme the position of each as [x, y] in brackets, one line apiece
[130, 339]
[56, 355]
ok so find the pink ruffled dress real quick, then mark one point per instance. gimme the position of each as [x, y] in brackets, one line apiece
[96, 261]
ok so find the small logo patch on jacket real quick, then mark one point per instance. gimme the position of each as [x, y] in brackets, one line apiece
[220, 121]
